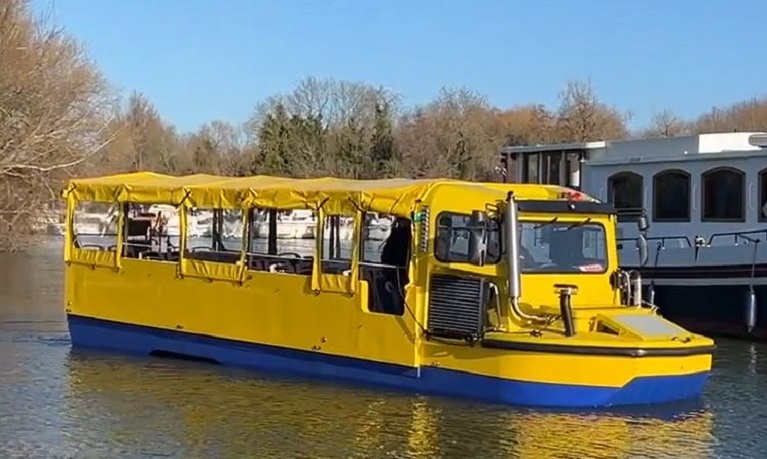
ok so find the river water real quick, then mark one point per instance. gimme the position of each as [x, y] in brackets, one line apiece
[56, 403]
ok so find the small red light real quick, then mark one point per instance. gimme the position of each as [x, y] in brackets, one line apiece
[573, 195]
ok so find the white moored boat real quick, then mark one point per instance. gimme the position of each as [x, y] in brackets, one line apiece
[705, 198]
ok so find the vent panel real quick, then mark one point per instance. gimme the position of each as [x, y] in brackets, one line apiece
[456, 306]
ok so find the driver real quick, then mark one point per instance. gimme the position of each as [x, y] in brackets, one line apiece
[396, 249]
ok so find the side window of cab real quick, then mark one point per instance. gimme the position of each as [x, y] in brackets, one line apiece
[451, 244]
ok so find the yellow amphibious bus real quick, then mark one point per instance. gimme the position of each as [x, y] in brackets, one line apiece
[502, 292]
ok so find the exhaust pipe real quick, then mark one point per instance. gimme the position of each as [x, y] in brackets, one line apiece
[512, 254]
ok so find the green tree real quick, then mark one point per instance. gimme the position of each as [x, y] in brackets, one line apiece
[384, 154]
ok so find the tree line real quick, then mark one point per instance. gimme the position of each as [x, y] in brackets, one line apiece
[59, 117]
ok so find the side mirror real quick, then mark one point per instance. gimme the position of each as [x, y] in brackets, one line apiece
[478, 238]
[642, 246]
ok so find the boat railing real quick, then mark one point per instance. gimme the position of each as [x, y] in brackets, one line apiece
[662, 239]
[738, 236]
[735, 236]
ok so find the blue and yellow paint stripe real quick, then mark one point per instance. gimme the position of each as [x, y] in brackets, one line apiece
[653, 381]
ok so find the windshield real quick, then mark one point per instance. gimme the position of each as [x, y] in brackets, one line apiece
[562, 247]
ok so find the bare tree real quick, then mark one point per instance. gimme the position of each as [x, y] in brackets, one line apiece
[457, 135]
[748, 115]
[528, 125]
[216, 148]
[666, 124]
[54, 111]
[582, 117]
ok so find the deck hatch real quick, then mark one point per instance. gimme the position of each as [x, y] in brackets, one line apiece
[456, 306]
[649, 325]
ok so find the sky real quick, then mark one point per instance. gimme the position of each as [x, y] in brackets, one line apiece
[200, 60]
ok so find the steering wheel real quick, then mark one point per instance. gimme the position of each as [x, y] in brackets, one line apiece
[289, 254]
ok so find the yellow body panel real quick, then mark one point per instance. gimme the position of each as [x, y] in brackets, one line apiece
[272, 309]
[557, 368]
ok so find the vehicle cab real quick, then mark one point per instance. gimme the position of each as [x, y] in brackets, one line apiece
[531, 245]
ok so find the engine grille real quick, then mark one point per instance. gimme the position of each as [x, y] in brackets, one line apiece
[456, 306]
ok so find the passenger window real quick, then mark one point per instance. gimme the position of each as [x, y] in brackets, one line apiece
[626, 190]
[94, 226]
[671, 196]
[338, 232]
[560, 248]
[762, 210]
[375, 231]
[151, 232]
[214, 235]
[282, 241]
[452, 240]
[385, 259]
[724, 191]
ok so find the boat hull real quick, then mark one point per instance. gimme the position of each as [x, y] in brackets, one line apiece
[87, 332]
[712, 310]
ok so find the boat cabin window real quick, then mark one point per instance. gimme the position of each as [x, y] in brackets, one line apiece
[214, 235]
[723, 195]
[151, 232]
[530, 168]
[94, 226]
[338, 232]
[671, 196]
[553, 168]
[385, 259]
[564, 247]
[762, 209]
[626, 191]
[281, 241]
[452, 239]
[543, 168]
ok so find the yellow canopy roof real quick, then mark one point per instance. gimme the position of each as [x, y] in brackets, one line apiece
[391, 196]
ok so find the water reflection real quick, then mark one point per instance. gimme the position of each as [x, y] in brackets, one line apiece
[178, 409]
[59, 403]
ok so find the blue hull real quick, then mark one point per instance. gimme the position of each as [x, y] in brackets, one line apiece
[99, 334]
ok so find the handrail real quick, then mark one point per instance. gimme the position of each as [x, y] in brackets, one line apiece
[735, 235]
[739, 234]
[663, 239]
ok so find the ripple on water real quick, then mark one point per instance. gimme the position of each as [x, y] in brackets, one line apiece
[58, 403]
